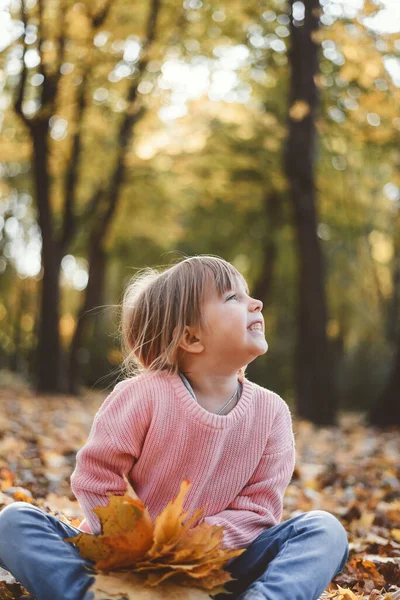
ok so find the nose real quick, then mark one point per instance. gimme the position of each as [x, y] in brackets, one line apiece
[256, 304]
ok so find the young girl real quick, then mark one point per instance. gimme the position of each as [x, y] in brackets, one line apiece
[188, 411]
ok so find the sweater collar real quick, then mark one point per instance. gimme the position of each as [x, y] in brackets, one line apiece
[204, 416]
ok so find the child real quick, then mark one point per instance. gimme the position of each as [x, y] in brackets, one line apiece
[188, 411]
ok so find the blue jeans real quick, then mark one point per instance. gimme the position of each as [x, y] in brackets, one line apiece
[294, 560]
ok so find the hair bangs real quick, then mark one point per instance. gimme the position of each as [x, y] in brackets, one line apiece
[218, 273]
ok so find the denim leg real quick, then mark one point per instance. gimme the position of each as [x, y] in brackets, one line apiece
[294, 560]
[33, 550]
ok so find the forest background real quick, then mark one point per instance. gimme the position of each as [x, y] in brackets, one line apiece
[265, 132]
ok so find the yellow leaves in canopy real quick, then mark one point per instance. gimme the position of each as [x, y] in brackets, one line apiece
[271, 144]
[369, 8]
[78, 24]
[374, 102]
[10, 152]
[193, 555]
[357, 50]
[372, 65]
[382, 247]
[299, 110]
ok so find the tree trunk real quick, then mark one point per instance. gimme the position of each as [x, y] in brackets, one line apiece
[48, 354]
[92, 298]
[272, 209]
[110, 199]
[386, 411]
[262, 288]
[21, 306]
[315, 392]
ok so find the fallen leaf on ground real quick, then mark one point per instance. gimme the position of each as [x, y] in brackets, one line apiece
[114, 585]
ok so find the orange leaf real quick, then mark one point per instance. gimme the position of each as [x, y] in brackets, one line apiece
[168, 524]
[126, 533]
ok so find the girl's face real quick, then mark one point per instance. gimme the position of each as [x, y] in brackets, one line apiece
[228, 337]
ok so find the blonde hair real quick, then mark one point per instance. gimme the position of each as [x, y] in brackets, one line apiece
[157, 305]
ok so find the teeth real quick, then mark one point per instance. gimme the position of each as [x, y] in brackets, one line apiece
[256, 326]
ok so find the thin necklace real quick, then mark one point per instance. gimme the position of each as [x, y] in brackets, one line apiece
[229, 401]
[224, 406]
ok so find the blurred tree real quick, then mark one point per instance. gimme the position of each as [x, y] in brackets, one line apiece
[110, 198]
[365, 104]
[67, 31]
[386, 410]
[262, 288]
[315, 382]
[50, 64]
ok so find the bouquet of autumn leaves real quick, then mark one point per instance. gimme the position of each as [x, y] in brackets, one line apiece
[167, 559]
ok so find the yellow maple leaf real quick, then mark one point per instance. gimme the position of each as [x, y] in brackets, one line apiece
[126, 533]
[171, 547]
[166, 526]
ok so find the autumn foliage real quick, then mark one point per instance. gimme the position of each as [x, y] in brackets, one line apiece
[172, 547]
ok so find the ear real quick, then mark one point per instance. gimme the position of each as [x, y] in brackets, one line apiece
[190, 341]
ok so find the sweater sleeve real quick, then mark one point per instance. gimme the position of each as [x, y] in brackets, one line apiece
[259, 505]
[106, 456]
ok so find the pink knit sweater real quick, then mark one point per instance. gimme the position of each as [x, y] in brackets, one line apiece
[152, 429]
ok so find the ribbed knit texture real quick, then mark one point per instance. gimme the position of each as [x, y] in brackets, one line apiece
[151, 429]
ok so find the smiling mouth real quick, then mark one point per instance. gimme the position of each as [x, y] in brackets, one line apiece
[257, 327]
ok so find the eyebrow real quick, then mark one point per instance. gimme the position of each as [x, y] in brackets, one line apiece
[235, 288]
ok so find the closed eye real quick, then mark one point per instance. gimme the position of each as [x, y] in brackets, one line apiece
[233, 296]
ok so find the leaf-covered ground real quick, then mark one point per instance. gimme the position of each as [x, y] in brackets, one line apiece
[351, 471]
